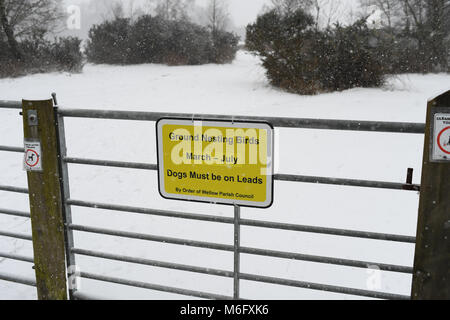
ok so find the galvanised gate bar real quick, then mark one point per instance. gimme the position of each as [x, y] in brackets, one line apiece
[237, 222]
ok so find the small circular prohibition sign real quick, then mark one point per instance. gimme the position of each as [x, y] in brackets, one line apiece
[439, 141]
[33, 156]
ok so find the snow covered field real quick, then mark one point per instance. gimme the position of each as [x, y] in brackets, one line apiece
[241, 89]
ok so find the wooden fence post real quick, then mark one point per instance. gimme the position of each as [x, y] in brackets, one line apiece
[431, 277]
[41, 161]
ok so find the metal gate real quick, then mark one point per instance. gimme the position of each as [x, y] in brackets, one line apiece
[236, 248]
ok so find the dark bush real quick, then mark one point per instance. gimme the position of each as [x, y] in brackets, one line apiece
[150, 37]
[301, 59]
[67, 55]
[8, 65]
[41, 55]
[156, 40]
[402, 53]
[224, 46]
[189, 44]
[109, 42]
[286, 45]
[349, 59]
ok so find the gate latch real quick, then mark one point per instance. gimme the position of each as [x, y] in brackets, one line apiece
[32, 118]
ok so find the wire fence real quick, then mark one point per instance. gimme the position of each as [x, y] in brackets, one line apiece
[237, 222]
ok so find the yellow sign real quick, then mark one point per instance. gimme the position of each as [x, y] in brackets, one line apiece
[216, 161]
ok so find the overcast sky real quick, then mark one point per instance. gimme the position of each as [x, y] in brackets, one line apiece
[243, 12]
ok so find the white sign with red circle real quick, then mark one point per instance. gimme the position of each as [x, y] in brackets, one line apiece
[441, 139]
[33, 159]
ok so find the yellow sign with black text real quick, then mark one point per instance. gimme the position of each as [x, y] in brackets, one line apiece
[216, 161]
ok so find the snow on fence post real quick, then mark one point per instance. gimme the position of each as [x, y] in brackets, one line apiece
[41, 162]
[431, 277]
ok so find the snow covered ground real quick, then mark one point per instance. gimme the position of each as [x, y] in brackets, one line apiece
[241, 89]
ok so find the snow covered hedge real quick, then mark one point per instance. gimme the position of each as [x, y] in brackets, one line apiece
[157, 40]
[301, 59]
[41, 55]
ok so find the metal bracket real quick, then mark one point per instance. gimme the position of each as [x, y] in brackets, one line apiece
[32, 118]
[55, 102]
